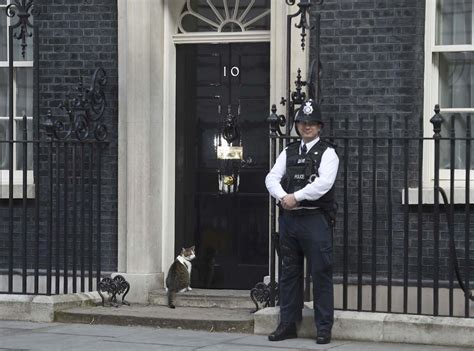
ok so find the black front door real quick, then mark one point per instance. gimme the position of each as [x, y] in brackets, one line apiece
[230, 231]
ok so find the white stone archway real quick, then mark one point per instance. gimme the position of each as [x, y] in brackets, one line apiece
[147, 71]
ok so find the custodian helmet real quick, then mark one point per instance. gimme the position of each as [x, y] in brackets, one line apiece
[309, 112]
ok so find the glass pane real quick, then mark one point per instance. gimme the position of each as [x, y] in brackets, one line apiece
[456, 73]
[4, 147]
[19, 149]
[3, 34]
[227, 18]
[4, 92]
[24, 91]
[453, 22]
[459, 147]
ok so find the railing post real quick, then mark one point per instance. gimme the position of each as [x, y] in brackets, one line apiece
[274, 122]
[437, 120]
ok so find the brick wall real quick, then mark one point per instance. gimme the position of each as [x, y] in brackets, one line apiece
[76, 37]
[372, 54]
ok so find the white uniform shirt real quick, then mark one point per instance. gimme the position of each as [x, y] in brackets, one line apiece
[312, 191]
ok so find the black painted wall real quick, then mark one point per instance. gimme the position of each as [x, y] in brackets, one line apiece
[76, 37]
[372, 54]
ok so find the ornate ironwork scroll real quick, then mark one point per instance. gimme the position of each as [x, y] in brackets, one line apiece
[85, 112]
[260, 295]
[24, 9]
[113, 287]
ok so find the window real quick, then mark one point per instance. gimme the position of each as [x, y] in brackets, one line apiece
[449, 80]
[225, 16]
[22, 102]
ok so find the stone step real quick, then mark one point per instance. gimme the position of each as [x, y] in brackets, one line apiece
[193, 318]
[206, 298]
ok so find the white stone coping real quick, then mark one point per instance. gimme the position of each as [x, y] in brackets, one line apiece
[41, 308]
[380, 327]
[17, 191]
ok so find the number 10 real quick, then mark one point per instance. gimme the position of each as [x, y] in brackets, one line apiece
[234, 71]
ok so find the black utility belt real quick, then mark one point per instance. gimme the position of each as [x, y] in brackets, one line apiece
[303, 212]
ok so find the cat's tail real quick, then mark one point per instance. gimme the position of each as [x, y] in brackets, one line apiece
[171, 297]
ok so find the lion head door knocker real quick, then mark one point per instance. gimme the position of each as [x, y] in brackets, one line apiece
[229, 153]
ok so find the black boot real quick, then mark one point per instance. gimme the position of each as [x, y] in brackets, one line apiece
[323, 338]
[284, 331]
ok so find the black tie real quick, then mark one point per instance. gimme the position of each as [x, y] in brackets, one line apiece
[303, 149]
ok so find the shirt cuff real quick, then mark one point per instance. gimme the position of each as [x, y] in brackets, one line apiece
[299, 195]
[281, 194]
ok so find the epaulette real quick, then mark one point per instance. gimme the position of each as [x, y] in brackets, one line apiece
[330, 143]
[293, 143]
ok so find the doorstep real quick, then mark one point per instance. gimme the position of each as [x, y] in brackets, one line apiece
[194, 318]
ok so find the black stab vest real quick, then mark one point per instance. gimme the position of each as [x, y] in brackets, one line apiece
[302, 169]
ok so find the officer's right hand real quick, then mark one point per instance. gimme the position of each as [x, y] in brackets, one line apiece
[289, 202]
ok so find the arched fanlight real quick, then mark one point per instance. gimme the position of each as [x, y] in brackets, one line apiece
[225, 15]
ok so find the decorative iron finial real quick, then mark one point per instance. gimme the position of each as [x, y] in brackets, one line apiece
[298, 97]
[437, 120]
[276, 121]
[24, 9]
[48, 125]
[304, 6]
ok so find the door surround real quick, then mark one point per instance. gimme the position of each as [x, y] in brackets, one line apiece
[147, 74]
[277, 85]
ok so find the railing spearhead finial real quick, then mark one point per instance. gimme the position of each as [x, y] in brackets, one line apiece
[437, 120]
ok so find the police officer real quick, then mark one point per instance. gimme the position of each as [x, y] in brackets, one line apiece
[302, 180]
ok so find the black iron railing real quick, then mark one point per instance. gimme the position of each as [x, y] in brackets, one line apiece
[396, 251]
[51, 237]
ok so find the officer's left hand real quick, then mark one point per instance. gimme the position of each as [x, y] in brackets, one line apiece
[289, 202]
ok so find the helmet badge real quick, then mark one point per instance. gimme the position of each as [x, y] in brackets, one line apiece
[308, 109]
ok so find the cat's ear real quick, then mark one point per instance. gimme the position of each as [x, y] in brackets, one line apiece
[192, 247]
[182, 250]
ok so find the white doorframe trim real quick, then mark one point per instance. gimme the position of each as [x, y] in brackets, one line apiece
[213, 38]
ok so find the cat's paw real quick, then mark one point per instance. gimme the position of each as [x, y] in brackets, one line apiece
[166, 289]
[189, 288]
[171, 306]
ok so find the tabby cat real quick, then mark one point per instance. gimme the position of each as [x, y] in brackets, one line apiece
[179, 274]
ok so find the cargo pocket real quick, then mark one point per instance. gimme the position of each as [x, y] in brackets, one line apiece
[326, 256]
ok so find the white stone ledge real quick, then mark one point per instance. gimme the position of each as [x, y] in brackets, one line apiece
[39, 308]
[17, 191]
[380, 327]
[428, 196]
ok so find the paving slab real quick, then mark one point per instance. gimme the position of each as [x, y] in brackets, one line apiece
[117, 338]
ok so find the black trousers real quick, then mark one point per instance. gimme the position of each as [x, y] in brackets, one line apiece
[306, 235]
